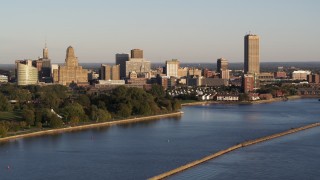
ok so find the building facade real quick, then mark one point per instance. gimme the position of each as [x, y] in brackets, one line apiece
[313, 78]
[71, 72]
[138, 65]
[251, 54]
[137, 53]
[108, 72]
[121, 60]
[172, 67]
[26, 72]
[3, 78]
[300, 75]
[222, 68]
[248, 83]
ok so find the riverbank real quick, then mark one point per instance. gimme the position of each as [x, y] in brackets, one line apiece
[232, 148]
[88, 126]
[242, 102]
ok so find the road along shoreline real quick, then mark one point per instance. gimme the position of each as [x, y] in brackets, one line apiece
[89, 126]
[232, 148]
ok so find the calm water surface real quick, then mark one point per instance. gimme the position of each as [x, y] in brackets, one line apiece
[142, 150]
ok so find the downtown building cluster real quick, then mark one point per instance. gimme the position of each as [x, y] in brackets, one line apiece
[134, 70]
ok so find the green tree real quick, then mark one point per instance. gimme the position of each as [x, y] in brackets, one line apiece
[176, 105]
[84, 100]
[157, 90]
[4, 103]
[73, 110]
[29, 116]
[74, 120]
[55, 121]
[3, 130]
[124, 110]
[103, 115]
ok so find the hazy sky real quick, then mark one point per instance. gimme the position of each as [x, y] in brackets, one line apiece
[189, 30]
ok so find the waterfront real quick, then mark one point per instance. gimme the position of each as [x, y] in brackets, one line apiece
[142, 150]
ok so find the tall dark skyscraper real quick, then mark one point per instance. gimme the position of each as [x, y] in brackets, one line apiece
[251, 54]
[121, 60]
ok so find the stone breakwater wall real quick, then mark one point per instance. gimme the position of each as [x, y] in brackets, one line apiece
[88, 126]
[232, 148]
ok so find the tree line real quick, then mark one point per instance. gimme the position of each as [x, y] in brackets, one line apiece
[55, 106]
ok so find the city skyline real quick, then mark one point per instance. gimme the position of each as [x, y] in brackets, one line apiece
[185, 30]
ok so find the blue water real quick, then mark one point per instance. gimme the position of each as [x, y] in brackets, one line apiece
[295, 156]
[142, 150]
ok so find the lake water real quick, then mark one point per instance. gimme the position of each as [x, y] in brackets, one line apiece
[145, 149]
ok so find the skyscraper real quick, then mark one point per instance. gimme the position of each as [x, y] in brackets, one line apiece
[45, 53]
[137, 53]
[172, 67]
[26, 73]
[121, 60]
[251, 54]
[71, 71]
[43, 65]
[222, 68]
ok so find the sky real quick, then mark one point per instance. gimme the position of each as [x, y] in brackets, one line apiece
[188, 30]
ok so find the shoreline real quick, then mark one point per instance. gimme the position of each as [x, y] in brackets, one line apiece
[233, 148]
[89, 126]
[243, 102]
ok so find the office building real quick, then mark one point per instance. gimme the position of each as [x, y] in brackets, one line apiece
[3, 78]
[71, 72]
[109, 72]
[300, 75]
[26, 73]
[121, 60]
[313, 78]
[137, 53]
[222, 68]
[248, 83]
[251, 54]
[172, 67]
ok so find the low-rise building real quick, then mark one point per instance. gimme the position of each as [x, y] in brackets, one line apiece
[300, 75]
[227, 97]
[3, 78]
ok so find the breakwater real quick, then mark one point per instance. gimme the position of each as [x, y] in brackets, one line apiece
[88, 126]
[232, 148]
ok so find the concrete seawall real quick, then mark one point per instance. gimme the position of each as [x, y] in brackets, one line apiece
[88, 126]
[232, 148]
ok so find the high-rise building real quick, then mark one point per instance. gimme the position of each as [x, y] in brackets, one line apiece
[108, 72]
[43, 65]
[26, 73]
[121, 60]
[222, 68]
[172, 67]
[137, 53]
[71, 72]
[251, 54]
[45, 52]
